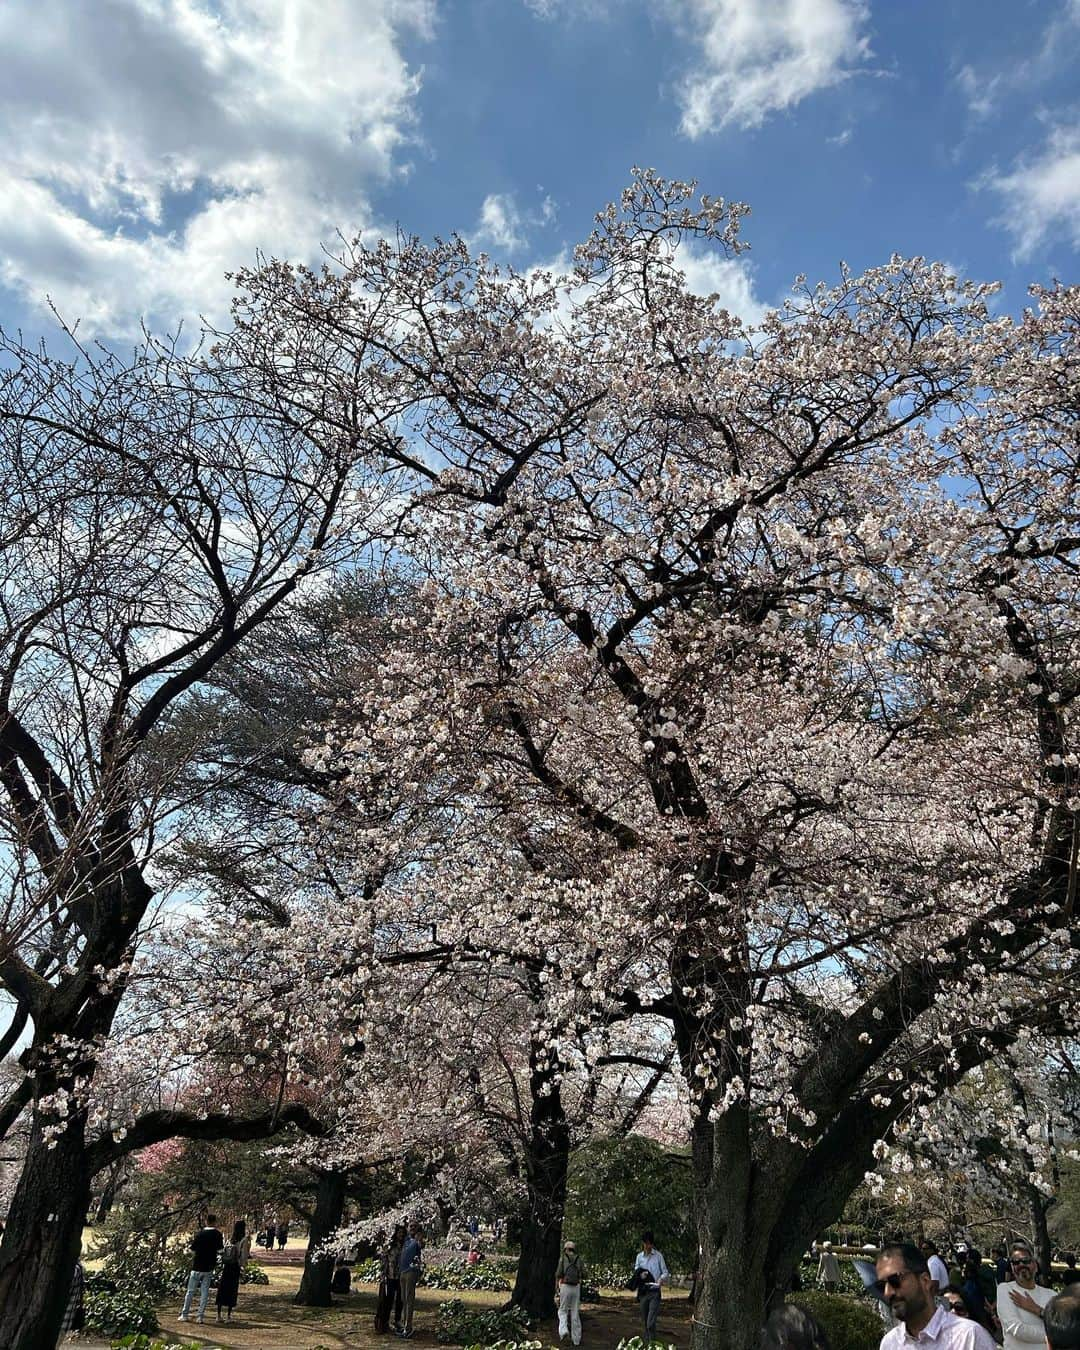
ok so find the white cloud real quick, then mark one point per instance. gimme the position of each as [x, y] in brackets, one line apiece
[981, 92]
[1042, 193]
[151, 145]
[729, 279]
[762, 56]
[504, 225]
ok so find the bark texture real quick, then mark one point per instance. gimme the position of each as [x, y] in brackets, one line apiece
[42, 1240]
[314, 1291]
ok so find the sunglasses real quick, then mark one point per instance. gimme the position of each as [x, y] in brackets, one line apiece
[893, 1281]
[1021, 1261]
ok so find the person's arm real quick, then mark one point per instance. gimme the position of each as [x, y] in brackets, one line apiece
[665, 1274]
[1012, 1324]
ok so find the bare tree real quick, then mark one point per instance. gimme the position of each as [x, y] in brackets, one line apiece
[152, 519]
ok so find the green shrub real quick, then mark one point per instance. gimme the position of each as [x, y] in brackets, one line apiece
[850, 1283]
[460, 1324]
[616, 1188]
[636, 1343]
[116, 1312]
[367, 1272]
[848, 1323]
[253, 1273]
[460, 1275]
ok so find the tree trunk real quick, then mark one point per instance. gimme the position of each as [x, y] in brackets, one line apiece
[547, 1160]
[734, 1285]
[314, 1291]
[1039, 1207]
[108, 1194]
[541, 1241]
[41, 1242]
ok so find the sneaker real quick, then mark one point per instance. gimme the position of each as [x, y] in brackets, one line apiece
[182, 1317]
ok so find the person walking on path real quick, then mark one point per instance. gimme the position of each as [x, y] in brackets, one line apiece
[905, 1283]
[409, 1266]
[205, 1246]
[234, 1257]
[828, 1271]
[1020, 1301]
[650, 1260]
[569, 1275]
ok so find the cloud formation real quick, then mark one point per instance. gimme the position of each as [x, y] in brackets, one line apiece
[1042, 193]
[149, 145]
[763, 57]
[505, 226]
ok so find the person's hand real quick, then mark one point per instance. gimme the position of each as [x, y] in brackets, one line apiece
[1025, 1301]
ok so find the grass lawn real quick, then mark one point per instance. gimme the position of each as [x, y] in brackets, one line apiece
[266, 1319]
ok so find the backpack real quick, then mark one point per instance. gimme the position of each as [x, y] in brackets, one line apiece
[230, 1254]
[572, 1272]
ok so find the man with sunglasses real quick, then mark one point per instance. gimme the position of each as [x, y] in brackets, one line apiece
[904, 1282]
[1020, 1301]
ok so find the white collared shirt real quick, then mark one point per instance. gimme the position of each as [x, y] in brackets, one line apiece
[654, 1263]
[944, 1331]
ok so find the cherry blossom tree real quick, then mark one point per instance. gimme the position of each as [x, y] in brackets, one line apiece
[777, 627]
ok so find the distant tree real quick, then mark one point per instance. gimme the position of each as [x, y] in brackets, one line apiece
[620, 1187]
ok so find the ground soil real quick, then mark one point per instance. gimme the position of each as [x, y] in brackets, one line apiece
[266, 1319]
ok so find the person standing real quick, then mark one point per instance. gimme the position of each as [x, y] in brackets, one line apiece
[828, 1270]
[393, 1280]
[1020, 1301]
[205, 1246]
[282, 1235]
[650, 1261]
[569, 1276]
[75, 1309]
[939, 1271]
[234, 1257]
[1061, 1319]
[905, 1284]
[409, 1267]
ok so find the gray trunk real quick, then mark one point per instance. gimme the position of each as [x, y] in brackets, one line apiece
[42, 1240]
[314, 1291]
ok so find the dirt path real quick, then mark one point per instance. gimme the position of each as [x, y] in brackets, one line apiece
[266, 1319]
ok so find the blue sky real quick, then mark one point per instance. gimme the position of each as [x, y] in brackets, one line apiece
[150, 145]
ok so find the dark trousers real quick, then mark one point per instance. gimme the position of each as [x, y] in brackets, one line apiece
[650, 1311]
[393, 1299]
